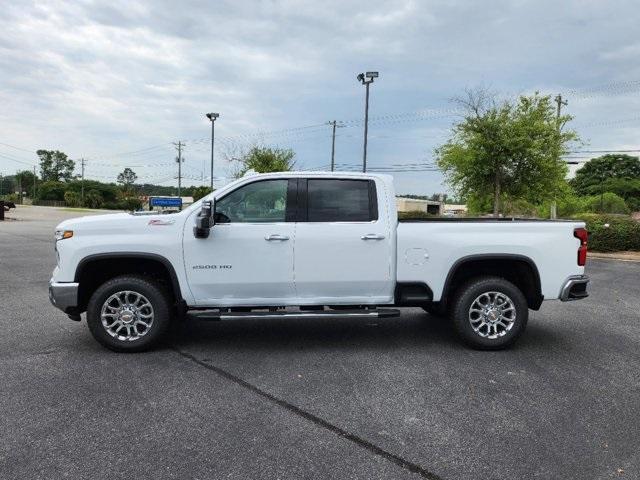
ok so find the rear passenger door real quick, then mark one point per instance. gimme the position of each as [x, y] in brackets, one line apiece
[343, 247]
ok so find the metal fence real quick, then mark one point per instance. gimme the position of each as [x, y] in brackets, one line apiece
[50, 203]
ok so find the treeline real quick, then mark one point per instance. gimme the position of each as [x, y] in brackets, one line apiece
[96, 194]
[56, 182]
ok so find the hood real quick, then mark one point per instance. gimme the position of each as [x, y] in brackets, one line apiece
[115, 222]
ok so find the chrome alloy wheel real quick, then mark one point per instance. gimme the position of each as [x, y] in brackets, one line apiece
[127, 315]
[492, 314]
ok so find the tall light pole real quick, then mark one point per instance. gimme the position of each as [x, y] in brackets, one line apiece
[560, 103]
[212, 117]
[366, 79]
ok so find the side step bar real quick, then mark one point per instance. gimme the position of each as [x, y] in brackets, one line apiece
[355, 313]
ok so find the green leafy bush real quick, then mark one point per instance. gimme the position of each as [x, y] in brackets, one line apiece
[52, 191]
[611, 233]
[414, 214]
[72, 199]
[130, 203]
[606, 203]
[93, 199]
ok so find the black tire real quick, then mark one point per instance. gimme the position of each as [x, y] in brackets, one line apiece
[157, 297]
[484, 338]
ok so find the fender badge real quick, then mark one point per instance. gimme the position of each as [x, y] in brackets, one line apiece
[160, 222]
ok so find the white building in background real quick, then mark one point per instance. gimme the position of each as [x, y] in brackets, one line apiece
[450, 209]
[405, 204]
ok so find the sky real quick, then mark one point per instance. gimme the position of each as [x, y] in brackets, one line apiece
[118, 82]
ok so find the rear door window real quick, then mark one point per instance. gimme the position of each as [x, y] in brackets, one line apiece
[333, 200]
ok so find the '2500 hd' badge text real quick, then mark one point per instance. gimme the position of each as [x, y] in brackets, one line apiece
[212, 267]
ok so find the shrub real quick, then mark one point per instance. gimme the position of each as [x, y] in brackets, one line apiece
[52, 191]
[571, 205]
[611, 233]
[518, 208]
[413, 214]
[72, 199]
[606, 203]
[93, 199]
[130, 203]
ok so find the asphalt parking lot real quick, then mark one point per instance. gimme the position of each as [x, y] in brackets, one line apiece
[396, 398]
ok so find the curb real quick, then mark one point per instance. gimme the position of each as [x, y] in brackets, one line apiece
[614, 256]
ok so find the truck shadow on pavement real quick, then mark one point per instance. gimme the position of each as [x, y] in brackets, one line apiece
[414, 331]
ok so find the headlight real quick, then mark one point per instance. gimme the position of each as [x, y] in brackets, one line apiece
[62, 234]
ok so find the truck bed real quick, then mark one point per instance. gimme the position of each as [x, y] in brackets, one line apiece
[479, 219]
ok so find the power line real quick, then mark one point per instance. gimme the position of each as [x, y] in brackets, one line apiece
[13, 159]
[17, 148]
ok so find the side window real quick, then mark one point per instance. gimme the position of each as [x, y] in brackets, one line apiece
[341, 201]
[257, 202]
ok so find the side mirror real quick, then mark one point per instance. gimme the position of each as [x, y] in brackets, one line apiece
[204, 220]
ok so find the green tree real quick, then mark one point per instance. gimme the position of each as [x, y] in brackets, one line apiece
[26, 179]
[265, 160]
[590, 177]
[512, 149]
[127, 178]
[51, 190]
[616, 173]
[55, 166]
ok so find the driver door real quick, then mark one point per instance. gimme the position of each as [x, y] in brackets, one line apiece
[248, 257]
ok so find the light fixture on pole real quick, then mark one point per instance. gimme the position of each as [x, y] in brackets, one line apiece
[366, 79]
[212, 117]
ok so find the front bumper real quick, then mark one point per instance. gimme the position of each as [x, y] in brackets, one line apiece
[64, 295]
[574, 288]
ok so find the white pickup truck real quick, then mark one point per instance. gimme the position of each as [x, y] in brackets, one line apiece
[299, 244]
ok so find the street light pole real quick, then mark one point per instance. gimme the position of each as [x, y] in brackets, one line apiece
[212, 117]
[366, 79]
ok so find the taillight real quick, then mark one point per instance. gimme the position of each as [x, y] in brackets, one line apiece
[582, 235]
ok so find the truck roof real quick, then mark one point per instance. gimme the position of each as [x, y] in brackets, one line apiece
[321, 173]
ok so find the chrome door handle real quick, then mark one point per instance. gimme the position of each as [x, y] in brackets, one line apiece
[372, 236]
[275, 236]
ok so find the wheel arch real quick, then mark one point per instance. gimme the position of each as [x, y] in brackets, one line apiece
[518, 269]
[96, 269]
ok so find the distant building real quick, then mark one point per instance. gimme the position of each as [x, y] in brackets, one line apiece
[450, 209]
[416, 205]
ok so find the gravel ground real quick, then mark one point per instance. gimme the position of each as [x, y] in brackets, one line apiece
[326, 398]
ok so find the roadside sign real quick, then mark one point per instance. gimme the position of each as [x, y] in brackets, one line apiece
[165, 202]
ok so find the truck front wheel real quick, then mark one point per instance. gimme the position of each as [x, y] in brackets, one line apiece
[129, 314]
[489, 313]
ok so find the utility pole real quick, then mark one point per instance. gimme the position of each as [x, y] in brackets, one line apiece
[366, 79]
[558, 99]
[82, 163]
[179, 159]
[33, 195]
[560, 103]
[334, 124]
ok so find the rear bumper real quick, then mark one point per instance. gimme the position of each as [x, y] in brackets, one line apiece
[575, 288]
[63, 295]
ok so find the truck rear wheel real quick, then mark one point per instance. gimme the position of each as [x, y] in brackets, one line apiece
[489, 313]
[129, 314]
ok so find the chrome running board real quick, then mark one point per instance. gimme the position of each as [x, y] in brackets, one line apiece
[355, 313]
